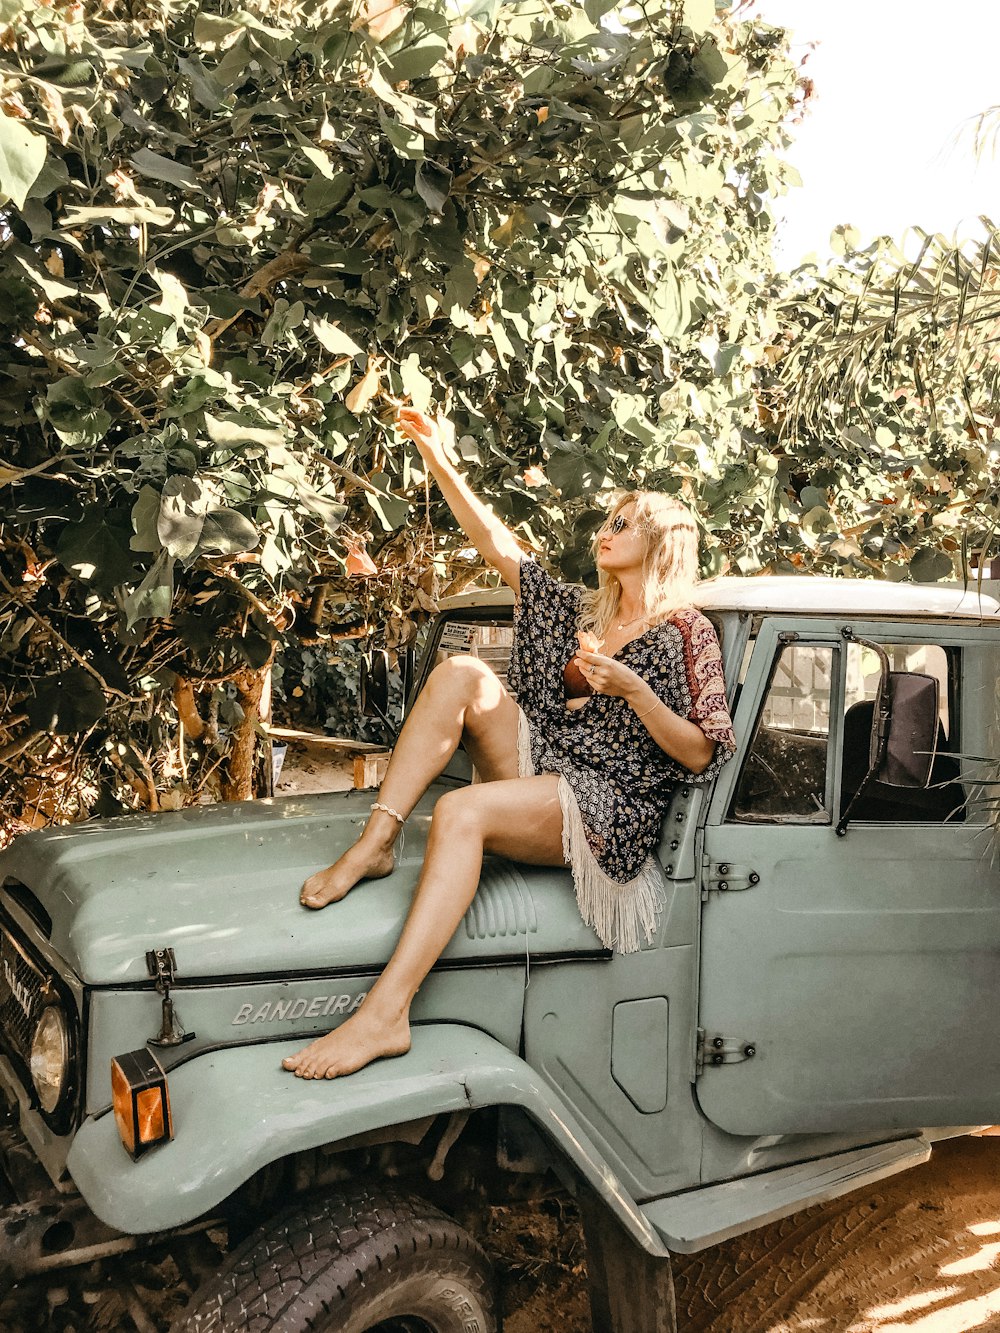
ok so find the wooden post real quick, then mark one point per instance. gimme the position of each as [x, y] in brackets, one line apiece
[369, 769]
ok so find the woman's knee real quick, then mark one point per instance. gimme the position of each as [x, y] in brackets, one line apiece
[465, 678]
[458, 812]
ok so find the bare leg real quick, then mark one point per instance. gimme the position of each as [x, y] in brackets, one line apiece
[520, 818]
[462, 699]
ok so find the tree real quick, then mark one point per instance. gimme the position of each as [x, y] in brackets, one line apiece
[235, 237]
[890, 407]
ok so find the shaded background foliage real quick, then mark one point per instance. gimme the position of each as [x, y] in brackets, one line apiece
[233, 237]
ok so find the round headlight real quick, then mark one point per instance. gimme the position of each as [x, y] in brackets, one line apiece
[50, 1057]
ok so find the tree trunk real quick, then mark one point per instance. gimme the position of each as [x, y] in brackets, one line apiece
[238, 780]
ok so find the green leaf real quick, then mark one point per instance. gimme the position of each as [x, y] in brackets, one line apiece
[74, 413]
[54, 288]
[183, 504]
[392, 511]
[203, 387]
[930, 566]
[212, 31]
[319, 157]
[409, 212]
[417, 47]
[226, 532]
[407, 142]
[331, 513]
[145, 514]
[322, 195]
[235, 432]
[22, 155]
[336, 340]
[811, 496]
[159, 168]
[173, 301]
[66, 703]
[154, 595]
[96, 551]
[432, 183]
[206, 89]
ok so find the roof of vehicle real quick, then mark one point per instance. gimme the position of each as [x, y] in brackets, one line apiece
[805, 594]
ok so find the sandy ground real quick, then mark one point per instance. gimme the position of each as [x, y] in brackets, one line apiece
[309, 767]
[918, 1254]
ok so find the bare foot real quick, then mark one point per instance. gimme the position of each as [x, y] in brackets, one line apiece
[356, 1043]
[364, 860]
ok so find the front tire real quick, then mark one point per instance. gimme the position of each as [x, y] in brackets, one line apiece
[368, 1262]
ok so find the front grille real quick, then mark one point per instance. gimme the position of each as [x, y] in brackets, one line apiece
[22, 984]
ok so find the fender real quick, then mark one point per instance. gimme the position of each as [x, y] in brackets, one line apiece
[236, 1110]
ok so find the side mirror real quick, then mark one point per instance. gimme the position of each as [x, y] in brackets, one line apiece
[904, 729]
[911, 743]
[375, 684]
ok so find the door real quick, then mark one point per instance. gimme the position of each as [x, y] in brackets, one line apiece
[851, 983]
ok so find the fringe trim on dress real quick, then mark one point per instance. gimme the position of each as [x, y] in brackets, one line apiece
[619, 913]
[525, 763]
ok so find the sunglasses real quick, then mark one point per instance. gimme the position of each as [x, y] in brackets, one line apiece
[616, 525]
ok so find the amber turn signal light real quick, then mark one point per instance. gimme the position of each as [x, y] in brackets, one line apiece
[141, 1101]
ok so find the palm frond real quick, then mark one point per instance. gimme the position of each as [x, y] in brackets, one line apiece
[885, 328]
[985, 131]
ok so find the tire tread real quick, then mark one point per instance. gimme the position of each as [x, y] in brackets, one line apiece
[319, 1255]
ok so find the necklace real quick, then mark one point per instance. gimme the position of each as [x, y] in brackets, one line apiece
[624, 624]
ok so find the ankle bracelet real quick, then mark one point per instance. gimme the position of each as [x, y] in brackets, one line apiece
[377, 805]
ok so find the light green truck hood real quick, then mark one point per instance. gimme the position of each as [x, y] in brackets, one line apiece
[220, 886]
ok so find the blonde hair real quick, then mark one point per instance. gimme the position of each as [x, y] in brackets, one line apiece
[669, 566]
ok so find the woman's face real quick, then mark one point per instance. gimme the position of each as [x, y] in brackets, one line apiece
[621, 545]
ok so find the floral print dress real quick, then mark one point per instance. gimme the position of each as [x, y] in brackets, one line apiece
[615, 782]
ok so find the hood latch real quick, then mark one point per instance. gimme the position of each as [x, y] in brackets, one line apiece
[162, 967]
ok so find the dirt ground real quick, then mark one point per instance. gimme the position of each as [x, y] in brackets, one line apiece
[920, 1253]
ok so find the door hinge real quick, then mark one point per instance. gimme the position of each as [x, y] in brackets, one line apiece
[724, 877]
[162, 967]
[714, 1049]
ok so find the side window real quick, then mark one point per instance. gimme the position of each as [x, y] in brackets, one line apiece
[784, 775]
[944, 799]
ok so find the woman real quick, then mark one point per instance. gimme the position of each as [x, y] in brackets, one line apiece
[578, 781]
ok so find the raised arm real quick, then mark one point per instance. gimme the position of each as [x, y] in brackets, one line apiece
[489, 535]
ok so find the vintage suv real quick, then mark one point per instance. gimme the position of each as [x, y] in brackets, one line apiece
[814, 1011]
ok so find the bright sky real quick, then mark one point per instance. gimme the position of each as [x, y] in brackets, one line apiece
[886, 144]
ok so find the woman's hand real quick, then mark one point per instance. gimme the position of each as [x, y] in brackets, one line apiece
[435, 441]
[676, 736]
[606, 675]
[433, 436]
